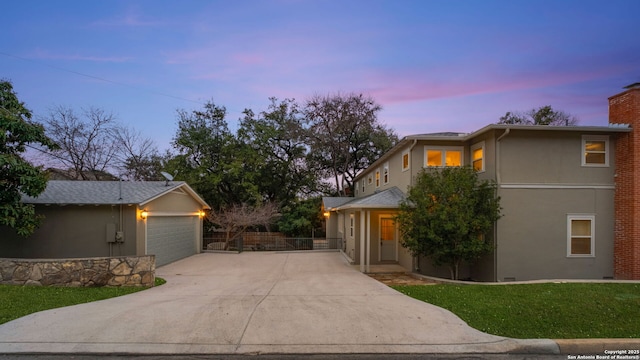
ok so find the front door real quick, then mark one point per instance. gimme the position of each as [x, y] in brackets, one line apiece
[387, 239]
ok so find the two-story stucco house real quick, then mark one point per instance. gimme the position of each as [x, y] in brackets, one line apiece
[570, 198]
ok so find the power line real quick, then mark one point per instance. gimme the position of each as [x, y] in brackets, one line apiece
[99, 78]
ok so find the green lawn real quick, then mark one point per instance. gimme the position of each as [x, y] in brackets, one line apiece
[17, 301]
[553, 311]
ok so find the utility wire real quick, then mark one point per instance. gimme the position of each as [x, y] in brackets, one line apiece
[99, 78]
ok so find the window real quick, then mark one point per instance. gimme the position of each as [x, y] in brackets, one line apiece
[595, 149]
[385, 173]
[580, 235]
[405, 160]
[378, 178]
[443, 156]
[477, 157]
[370, 180]
[351, 224]
[363, 184]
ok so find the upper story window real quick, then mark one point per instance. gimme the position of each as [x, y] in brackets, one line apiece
[595, 150]
[363, 184]
[385, 173]
[477, 157]
[378, 178]
[369, 179]
[405, 160]
[581, 235]
[441, 156]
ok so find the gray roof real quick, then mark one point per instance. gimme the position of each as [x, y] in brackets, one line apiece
[386, 199]
[331, 203]
[68, 192]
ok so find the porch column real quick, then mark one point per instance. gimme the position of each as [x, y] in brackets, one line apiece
[362, 242]
[368, 240]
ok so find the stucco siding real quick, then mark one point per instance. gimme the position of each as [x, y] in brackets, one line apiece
[551, 158]
[532, 234]
[175, 201]
[73, 232]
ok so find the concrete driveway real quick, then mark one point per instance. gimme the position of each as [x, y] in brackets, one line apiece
[257, 303]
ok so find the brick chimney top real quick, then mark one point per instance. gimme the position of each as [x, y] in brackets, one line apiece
[633, 86]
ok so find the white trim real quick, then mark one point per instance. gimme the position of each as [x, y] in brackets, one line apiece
[481, 146]
[558, 186]
[583, 150]
[592, 219]
[183, 187]
[444, 150]
[172, 213]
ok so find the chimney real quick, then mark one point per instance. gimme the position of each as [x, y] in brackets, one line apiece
[624, 108]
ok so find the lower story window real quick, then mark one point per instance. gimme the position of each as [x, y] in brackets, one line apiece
[581, 235]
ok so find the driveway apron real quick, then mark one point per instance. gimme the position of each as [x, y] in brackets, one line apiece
[257, 303]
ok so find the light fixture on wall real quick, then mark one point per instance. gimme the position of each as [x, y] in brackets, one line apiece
[326, 214]
[201, 213]
[144, 214]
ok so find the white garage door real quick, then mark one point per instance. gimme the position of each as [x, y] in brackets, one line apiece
[171, 238]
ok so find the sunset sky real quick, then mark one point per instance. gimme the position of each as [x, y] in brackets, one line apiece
[432, 65]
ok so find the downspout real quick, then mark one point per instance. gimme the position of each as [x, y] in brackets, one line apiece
[120, 231]
[415, 259]
[415, 141]
[498, 182]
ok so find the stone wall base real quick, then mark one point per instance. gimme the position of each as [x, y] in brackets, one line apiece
[110, 271]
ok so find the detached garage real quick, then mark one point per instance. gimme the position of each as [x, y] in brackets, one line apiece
[112, 218]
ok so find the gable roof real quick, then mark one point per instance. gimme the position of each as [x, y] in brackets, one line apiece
[69, 192]
[386, 199]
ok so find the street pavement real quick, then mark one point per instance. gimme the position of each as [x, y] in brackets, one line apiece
[259, 303]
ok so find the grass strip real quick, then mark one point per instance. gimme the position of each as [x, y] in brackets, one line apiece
[550, 310]
[17, 301]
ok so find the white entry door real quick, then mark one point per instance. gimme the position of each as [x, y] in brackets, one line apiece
[388, 243]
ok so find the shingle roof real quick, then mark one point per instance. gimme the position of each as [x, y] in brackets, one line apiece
[388, 199]
[65, 192]
[331, 203]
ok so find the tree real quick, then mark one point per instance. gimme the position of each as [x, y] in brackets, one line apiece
[345, 136]
[18, 176]
[137, 157]
[544, 115]
[301, 218]
[448, 216]
[276, 139]
[212, 160]
[237, 218]
[85, 144]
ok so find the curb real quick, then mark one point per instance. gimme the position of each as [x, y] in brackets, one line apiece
[629, 347]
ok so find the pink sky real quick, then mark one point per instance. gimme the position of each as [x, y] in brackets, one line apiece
[432, 65]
